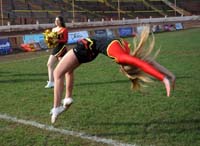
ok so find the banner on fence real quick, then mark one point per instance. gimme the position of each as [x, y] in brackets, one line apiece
[33, 42]
[104, 33]
[100, 33]
[179, 26]
[33, 38]
[126, 32]
[5, 47]
[75, 36]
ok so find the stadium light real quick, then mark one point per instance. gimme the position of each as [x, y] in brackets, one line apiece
[1, 13]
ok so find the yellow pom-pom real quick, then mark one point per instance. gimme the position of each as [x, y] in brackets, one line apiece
[50, 38]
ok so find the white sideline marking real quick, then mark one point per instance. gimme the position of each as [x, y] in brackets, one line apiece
[63, 131]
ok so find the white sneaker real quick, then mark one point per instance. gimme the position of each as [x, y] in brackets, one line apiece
[49, 84]
[55, 112]
[67, 101]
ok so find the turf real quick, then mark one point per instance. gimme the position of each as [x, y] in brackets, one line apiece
[104, 104]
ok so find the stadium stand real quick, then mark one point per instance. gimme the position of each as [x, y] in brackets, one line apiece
[192, 6]
[32, 11]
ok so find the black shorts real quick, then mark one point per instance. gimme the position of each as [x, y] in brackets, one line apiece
[84, 54]
[60, 50]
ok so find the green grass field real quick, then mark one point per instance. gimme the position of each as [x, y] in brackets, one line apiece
[104, 104]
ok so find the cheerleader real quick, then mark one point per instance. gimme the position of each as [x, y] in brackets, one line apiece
[59, 47]
[137, 65]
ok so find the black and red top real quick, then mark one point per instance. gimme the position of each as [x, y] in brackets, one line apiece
[87, 49]
[60, 50]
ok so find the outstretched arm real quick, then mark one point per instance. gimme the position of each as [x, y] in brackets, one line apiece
[158, 72]
[165, 71]
[115, 51]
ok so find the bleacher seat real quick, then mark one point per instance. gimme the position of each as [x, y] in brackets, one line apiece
[46, 11]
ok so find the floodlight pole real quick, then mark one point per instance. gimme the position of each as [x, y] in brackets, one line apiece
[1, 13]
[73, 11]
[175, 7]
[119, 10]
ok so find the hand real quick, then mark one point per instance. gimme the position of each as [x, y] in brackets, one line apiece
[167, 86]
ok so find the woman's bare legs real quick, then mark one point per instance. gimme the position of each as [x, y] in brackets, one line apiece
[69, 78]
[66, 66]
[69, 87]
[68, 100]
[50, 65]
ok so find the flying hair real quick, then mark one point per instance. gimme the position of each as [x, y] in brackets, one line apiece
[142, 48]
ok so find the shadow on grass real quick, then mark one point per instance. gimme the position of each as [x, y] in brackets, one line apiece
[22, 74]
[101, 83]
[159, 127]
[24, 77]
[119, 81]
[21, 80]
[4, 72]
[45, 74]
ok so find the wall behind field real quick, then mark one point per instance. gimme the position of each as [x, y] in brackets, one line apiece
[31, 37]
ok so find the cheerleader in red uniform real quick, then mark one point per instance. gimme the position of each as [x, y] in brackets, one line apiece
[59, 50]
[135, 65]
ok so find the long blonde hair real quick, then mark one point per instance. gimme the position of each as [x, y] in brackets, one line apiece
[143, 47]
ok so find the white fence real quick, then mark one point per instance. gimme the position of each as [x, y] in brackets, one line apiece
[10, 28]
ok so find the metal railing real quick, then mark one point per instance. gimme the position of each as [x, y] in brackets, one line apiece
[37, 26]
